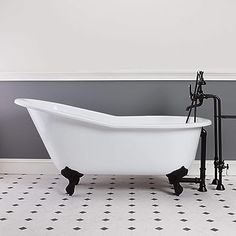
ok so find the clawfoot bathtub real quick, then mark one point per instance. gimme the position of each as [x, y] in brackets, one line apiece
[96, 143]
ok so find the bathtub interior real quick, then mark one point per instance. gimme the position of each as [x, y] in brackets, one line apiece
[152, 121]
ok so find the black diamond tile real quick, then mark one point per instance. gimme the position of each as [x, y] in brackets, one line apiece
[107, 212]
[131, 212]
[65, 199]
[38, 205]
[54, 219]
[159, 228]
[131, 219]
[154, 199]
[49, 228]
[214, 229]
[4, 192]
[105, 219]
[89, 193]
[178, 205]
[20, 198]
[210, 220]
[109, 199]
[15, 205]
[85, 205]
[9, 211]
[132, 193]
[186, 229]
[131, 228]
[156, 212]
[131, 205]
[181, 212]
[183, 220]
[28, 219]
[3, 219]
[23, 228]
[226, 206]
[61, 205]
[104, 228]
[76, 228]
[43, 199]
[83, 212]
[108, 205]
[202, 206]
[79, 219]
[58, 212]
[222, 200]
[231, 213]
[131, 199]
[33, 212]
[206, 213]
[157, 219]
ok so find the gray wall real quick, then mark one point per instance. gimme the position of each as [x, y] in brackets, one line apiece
[19, 138]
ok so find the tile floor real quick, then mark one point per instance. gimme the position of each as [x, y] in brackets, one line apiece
[113, 205]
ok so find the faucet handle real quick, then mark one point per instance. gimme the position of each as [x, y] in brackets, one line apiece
[190, 92]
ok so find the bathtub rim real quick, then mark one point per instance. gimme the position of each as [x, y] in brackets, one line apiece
[114, 119]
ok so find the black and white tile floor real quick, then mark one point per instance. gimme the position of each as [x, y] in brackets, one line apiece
[113, 205]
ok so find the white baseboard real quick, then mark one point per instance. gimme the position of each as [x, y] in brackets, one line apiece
[46, 166]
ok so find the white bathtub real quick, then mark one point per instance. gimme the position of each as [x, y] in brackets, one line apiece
[97, 143]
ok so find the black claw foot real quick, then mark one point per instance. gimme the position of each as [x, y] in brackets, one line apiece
[175, 177]
[220, 187]
[73, 176]
[215, 181]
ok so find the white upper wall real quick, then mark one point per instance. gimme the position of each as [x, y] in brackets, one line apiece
[117, 35]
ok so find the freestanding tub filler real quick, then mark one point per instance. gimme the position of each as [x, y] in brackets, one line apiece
[84, 141]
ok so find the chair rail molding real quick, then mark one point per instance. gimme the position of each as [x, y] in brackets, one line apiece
[114, 76]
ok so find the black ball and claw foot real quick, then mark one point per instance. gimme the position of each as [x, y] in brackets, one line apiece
[73, 176]
[175, 178]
